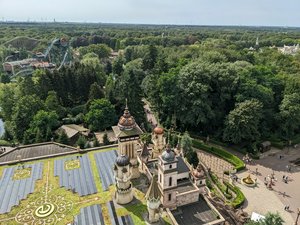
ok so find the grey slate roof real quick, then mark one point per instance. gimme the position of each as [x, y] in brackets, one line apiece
[33, 151]
[181, 166]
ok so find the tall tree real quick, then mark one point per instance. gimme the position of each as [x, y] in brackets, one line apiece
[150, 57]
[101, 115]
[23, 113]
[242, 123]
[290, 114]
[52, 104]
[96, 92]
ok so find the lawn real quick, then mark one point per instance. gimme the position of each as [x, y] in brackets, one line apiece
[66, 203]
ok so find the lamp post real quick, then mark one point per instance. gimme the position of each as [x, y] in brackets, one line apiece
[298, 213]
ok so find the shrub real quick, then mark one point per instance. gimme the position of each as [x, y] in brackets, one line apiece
[4, 143]
[234, 160]
[221, 187]
[240, 197]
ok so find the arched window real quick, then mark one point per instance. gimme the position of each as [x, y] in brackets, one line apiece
[170, 181]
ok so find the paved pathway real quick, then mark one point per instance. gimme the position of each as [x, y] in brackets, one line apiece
[271, 163]
[260, 199]
[150, 116]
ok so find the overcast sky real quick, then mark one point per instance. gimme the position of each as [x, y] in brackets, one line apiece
[195, 12]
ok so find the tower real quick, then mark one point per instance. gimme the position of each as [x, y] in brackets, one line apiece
[158, 141]
[167, 177]
[128, 134]
[153, 201]
[122, 174]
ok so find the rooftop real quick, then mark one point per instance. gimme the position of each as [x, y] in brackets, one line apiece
[185, 185]
[127, 133]
[181, 165]
[195, 214]
[72, 129]
[35, 151]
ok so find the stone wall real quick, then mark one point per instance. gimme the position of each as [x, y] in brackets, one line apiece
[187, 197]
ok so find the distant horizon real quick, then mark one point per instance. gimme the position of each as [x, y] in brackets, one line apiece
[174, 12]
[150, 24]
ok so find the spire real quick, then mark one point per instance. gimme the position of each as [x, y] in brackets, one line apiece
[126, 122]
[153, 193]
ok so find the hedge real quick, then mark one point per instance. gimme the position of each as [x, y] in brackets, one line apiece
[240, 197]
[221, 187]
[227, 156]
[4, 143]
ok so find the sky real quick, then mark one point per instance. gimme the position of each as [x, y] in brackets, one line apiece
[193, 12]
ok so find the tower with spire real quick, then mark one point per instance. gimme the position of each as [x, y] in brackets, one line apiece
[167, 176]
[153, 201]
[128, 133]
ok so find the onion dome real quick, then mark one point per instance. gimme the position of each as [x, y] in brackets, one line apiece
[122, 160]
[168, 155]
[126, 122]
[158, 130]
[198, 172]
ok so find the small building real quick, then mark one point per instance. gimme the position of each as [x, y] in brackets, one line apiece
[265, 146]
[110, 135]
[74, 131]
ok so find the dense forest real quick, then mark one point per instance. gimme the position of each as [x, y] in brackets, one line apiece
[214, 81]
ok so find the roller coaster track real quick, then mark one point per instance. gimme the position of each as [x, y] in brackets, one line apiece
[64, 59]
[23, 73]
[50, 47]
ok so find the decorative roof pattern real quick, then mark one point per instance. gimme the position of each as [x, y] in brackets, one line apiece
[126, 122]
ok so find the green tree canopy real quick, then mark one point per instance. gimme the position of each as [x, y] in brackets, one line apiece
[242, 123]
[290, 114]
[41, 126]
[96, 92]
[270, 219]
[101, 115]
[23, 112]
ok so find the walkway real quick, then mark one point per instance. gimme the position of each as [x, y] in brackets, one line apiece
[150, 115]
[260, 199]
[271, 163]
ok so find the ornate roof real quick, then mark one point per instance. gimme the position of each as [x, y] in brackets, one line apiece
[126, 122]
[153, 193]
[158, 130]
[122, 160]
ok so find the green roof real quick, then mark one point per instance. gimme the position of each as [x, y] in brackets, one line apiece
[127, 133]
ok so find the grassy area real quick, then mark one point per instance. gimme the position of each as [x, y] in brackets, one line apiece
[227, 156]
[53, 189]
